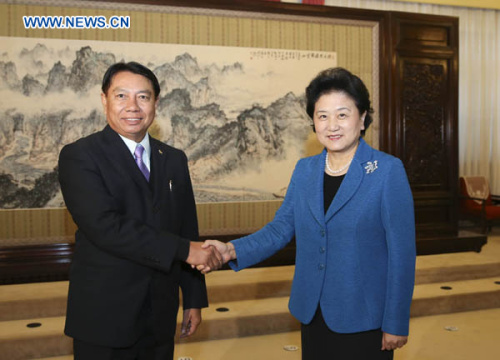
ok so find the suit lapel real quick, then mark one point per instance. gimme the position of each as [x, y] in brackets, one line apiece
[159, 171]
[352, 180]
[118, 154]
[347, 189]
[315, 190]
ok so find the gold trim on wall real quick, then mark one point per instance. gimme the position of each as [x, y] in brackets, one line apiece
[485, 4]
[355, 42]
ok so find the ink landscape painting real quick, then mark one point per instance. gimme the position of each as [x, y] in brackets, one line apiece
[238, 113]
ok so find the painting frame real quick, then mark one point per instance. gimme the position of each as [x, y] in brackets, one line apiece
[21, 227]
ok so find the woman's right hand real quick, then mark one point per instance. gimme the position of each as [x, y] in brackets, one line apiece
[225, 249]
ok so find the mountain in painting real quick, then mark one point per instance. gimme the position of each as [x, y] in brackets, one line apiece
[49, 104]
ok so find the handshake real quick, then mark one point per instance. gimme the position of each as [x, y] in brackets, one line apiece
[210, 255]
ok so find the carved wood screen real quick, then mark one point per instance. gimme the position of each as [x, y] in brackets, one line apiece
[422, 129]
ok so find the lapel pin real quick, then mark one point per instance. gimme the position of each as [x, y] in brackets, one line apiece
[161, 152]
[371, 166]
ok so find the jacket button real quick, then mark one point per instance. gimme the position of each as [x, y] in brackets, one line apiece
[322, 233]
[321, 266]
[322, 250]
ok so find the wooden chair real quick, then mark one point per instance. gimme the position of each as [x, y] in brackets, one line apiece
[476, 203]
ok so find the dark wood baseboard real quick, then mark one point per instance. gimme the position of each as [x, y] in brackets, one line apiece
[51, 262]
[39, 263]
[464, 241]
[35, 263]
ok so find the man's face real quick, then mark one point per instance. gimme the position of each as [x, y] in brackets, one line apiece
[130, 105]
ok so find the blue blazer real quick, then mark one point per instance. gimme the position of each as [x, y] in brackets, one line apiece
[357, 261]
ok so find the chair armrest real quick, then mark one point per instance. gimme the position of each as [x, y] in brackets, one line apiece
[483, 203]
[472, 198]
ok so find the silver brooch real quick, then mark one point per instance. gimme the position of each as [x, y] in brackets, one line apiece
[371, 166]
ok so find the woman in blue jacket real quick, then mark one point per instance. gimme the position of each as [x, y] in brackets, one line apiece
[350, 209]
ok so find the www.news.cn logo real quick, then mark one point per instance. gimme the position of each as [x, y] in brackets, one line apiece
[76, 22]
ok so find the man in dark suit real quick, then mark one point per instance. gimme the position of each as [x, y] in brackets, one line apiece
[131, 197]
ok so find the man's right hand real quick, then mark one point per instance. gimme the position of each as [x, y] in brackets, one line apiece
[207, 257]
[226, 250]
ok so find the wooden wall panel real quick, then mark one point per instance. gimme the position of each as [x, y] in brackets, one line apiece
[422, 129]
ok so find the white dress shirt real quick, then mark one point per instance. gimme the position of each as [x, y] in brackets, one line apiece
[146, 155]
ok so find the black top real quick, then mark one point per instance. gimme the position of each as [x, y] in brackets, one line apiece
[331, 185]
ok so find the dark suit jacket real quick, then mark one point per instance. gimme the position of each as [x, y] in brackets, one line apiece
[132, 239]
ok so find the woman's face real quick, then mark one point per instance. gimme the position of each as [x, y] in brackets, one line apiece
[337, 122]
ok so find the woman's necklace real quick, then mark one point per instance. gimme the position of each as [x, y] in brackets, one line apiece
[338, 170]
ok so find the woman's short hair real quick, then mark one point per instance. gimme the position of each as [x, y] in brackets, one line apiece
[341, 80]
[133, 67]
